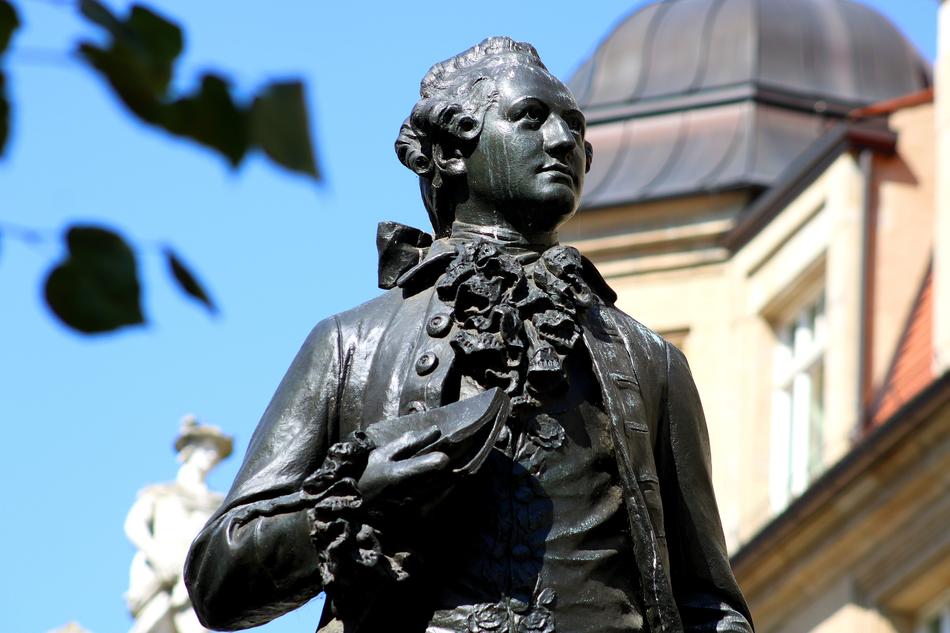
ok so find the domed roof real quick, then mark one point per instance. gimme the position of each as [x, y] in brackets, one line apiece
[687, 97]
[836, 51]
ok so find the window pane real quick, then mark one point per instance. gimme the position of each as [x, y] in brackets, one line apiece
[798, 455]
[780, 459]
[820, 317]
[933, 625]
[801, 432]
[802, 334]
[816, 439]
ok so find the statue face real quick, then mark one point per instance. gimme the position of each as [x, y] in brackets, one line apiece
[529, 163]
[202, 455]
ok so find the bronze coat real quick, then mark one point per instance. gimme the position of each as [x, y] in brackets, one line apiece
[254, 559]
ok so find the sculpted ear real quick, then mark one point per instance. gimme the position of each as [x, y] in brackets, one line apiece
[589, 152]
[459, 128]
[448, 162]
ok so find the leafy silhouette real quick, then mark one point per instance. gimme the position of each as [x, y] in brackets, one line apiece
[279, 125]
[139, 64]
[187, 280]
[96, 287]
[8, 24]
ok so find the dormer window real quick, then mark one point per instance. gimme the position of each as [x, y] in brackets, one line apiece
[798, 402]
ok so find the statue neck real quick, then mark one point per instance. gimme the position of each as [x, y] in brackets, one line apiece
[505, 235]
[191, 479]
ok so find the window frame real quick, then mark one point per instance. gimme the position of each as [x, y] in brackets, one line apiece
[798, 371]
[939, 612]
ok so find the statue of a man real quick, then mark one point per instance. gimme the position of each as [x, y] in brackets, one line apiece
[162, 523]
[490, 445]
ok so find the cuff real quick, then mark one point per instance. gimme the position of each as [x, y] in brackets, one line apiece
[352, 557]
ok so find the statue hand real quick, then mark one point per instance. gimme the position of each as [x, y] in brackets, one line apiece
[390, 471]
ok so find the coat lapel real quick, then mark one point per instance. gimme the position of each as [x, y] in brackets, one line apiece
[631, 433]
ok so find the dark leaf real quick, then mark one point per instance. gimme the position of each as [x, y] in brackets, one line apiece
[127, 79]
[4, 114]
[138, 63]
[8, 24]
[96, 288]
[9, 21]
[210, 117]
[280, 126]
[99, 14]
[152, 42]
[159, 43]
[187, 280]
[139, 60]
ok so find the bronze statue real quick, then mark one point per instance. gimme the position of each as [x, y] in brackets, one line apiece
[490, 445]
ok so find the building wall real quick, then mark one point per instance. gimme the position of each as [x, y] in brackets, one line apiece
[904, 206]
[868, 551]
[942, 218]
[833, 609]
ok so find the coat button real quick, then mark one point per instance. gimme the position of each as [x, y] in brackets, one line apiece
[439, 325]
[426, 363]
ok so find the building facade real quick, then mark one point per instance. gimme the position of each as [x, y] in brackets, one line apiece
[771, 191]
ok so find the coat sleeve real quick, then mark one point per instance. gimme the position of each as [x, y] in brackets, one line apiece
[704, 587]
[255, 559]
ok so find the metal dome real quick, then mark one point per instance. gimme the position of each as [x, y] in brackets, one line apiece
[836, 51]
[697, 96]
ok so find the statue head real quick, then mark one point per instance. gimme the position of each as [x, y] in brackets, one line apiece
[201, 446]
[494, 134]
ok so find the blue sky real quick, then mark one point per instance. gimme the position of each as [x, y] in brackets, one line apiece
[88, 421]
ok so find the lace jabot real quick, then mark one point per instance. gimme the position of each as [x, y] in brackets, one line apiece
[516, 305]
[516, 323]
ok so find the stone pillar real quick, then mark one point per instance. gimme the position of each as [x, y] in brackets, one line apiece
[941, 279]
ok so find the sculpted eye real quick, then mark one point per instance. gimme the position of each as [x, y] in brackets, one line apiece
[533, 113]
[575, 123]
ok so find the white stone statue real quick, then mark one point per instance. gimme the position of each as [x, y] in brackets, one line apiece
[162, 523]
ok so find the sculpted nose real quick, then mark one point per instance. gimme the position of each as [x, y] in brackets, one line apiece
[558, 138]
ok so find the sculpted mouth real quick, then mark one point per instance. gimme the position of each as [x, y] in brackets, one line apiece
[559, 168]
